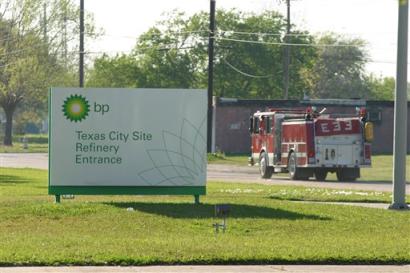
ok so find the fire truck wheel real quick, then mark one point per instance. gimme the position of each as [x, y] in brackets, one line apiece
[294, 172]
[264, 169]
[341, 175]
[346, 175]
[320, 174]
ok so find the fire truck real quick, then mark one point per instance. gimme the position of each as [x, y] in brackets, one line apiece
[309, 143]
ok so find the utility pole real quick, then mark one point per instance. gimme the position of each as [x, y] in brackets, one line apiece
[45, 35]
[287, 54]
[65, 43]
[210, 73]
[400, 111]
[81, 68]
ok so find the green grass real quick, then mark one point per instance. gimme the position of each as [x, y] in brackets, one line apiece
[98, 230]
[19, 148]
[221, 158]
[381, 169]
[37, 143]
[32, 138]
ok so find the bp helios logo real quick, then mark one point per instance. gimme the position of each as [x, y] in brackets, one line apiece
[76, 108]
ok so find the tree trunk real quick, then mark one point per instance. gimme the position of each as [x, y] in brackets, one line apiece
[9, 127]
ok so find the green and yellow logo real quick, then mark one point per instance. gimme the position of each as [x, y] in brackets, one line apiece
[76, 108]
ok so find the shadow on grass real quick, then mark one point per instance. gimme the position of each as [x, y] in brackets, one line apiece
[12, 179]
[184, 210]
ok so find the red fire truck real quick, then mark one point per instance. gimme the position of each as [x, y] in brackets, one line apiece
[307, 143]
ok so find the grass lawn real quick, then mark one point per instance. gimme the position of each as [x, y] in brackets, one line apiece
[171, 230]
[18, 148]
[220, 158]
[36, 144]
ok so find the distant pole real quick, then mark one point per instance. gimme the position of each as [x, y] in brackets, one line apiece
[45, 37]
[287, 54]
[210, 73]
[400, 112]
[65, 45]
[81, 69]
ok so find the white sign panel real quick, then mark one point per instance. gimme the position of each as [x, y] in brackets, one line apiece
[127, 137]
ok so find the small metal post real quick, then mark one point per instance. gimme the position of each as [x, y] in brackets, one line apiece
[25, 143]
[197, 199]
[221, 210]
[58, 199]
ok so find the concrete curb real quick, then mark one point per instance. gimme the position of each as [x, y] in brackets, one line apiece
[215, 269]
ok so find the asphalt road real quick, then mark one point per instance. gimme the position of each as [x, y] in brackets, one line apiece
[36, 161]
[246, 174]
[219, 172]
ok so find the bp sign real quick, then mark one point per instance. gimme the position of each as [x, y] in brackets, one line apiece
[127, 141]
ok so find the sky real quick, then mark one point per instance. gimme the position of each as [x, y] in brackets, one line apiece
[374, 21]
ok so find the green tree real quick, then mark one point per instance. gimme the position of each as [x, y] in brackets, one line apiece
[164, 59]
[247, 69]
[248, 58]
[381, 88]
[35, 33]
[173, 53]
[338, 70]
[117, 71]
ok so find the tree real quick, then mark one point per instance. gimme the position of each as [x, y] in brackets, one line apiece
[173, 53]
[164, 58]
[248, 58]
[20, 62]
[30, 53]
[381, 88]
[117, 71]
[338, 70]
[246, 69]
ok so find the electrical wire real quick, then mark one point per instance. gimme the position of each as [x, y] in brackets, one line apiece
[155, 34]
[244, 73]
[285, 44]
[263, 34]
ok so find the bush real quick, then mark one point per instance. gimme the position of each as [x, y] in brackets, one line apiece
[32, 138]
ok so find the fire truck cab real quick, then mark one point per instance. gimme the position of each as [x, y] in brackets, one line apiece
[306, 143]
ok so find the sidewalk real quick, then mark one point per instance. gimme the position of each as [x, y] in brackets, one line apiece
[215, 269]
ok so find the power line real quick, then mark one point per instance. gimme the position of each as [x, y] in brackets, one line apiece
[246, 74]
[263, 34]
[285, 44]
[156, 34]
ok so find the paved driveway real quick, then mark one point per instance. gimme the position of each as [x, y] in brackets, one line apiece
[246, 174]
[36, 161]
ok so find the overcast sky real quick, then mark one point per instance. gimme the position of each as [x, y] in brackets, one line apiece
[375, 21]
